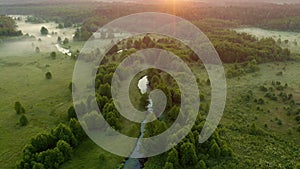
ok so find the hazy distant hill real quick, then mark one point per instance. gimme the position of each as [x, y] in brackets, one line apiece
[148, 1]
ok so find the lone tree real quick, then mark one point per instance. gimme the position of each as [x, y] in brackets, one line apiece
[23, 120]
[48, 75]
[19, 108]
[44, 31]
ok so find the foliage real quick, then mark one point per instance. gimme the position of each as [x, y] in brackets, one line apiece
[77, 130]
[44, 30]
[8, 27]
[53, 55]
[23, 120]
[188, 154]
[48, 75]
[71, 113]
[19, 108]
[215, 150]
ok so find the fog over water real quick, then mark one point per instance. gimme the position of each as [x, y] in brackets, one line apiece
[23, 46]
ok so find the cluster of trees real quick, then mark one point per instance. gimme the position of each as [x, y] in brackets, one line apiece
[188, 153]
[50, 150]
[34, 19]
[8, 27]
[241, 47]
[89, 26]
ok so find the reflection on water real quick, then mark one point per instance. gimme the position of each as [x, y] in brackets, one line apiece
[143, 84]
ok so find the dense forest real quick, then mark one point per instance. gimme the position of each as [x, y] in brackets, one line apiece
[8, 27]
[242, 53]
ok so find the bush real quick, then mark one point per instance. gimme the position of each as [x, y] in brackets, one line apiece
[23, 120]
[71, 113]
[260, 101]
[48, 75]
[19, 108]
[37, 50]
[263, 88]
[44, 31]
[53, 55]
[65, 148]
[279, 74]
[77, 130]
[63, 132]
[51, 158]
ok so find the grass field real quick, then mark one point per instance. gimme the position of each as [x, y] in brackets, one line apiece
[46, 101]
[279, 142]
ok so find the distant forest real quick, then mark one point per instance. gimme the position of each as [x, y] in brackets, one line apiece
[271, 16]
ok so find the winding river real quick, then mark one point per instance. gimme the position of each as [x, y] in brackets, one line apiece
[133, 163]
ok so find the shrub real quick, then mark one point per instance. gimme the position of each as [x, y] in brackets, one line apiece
[53, 55]
[37, 50]
[48, 75]
[19, 108]
[279, 74]
[44, 31]
[23, 120]
[260, 101]
[77, 130]
[263, 89]
[71, 113]
[65, 148]
[63, 132]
